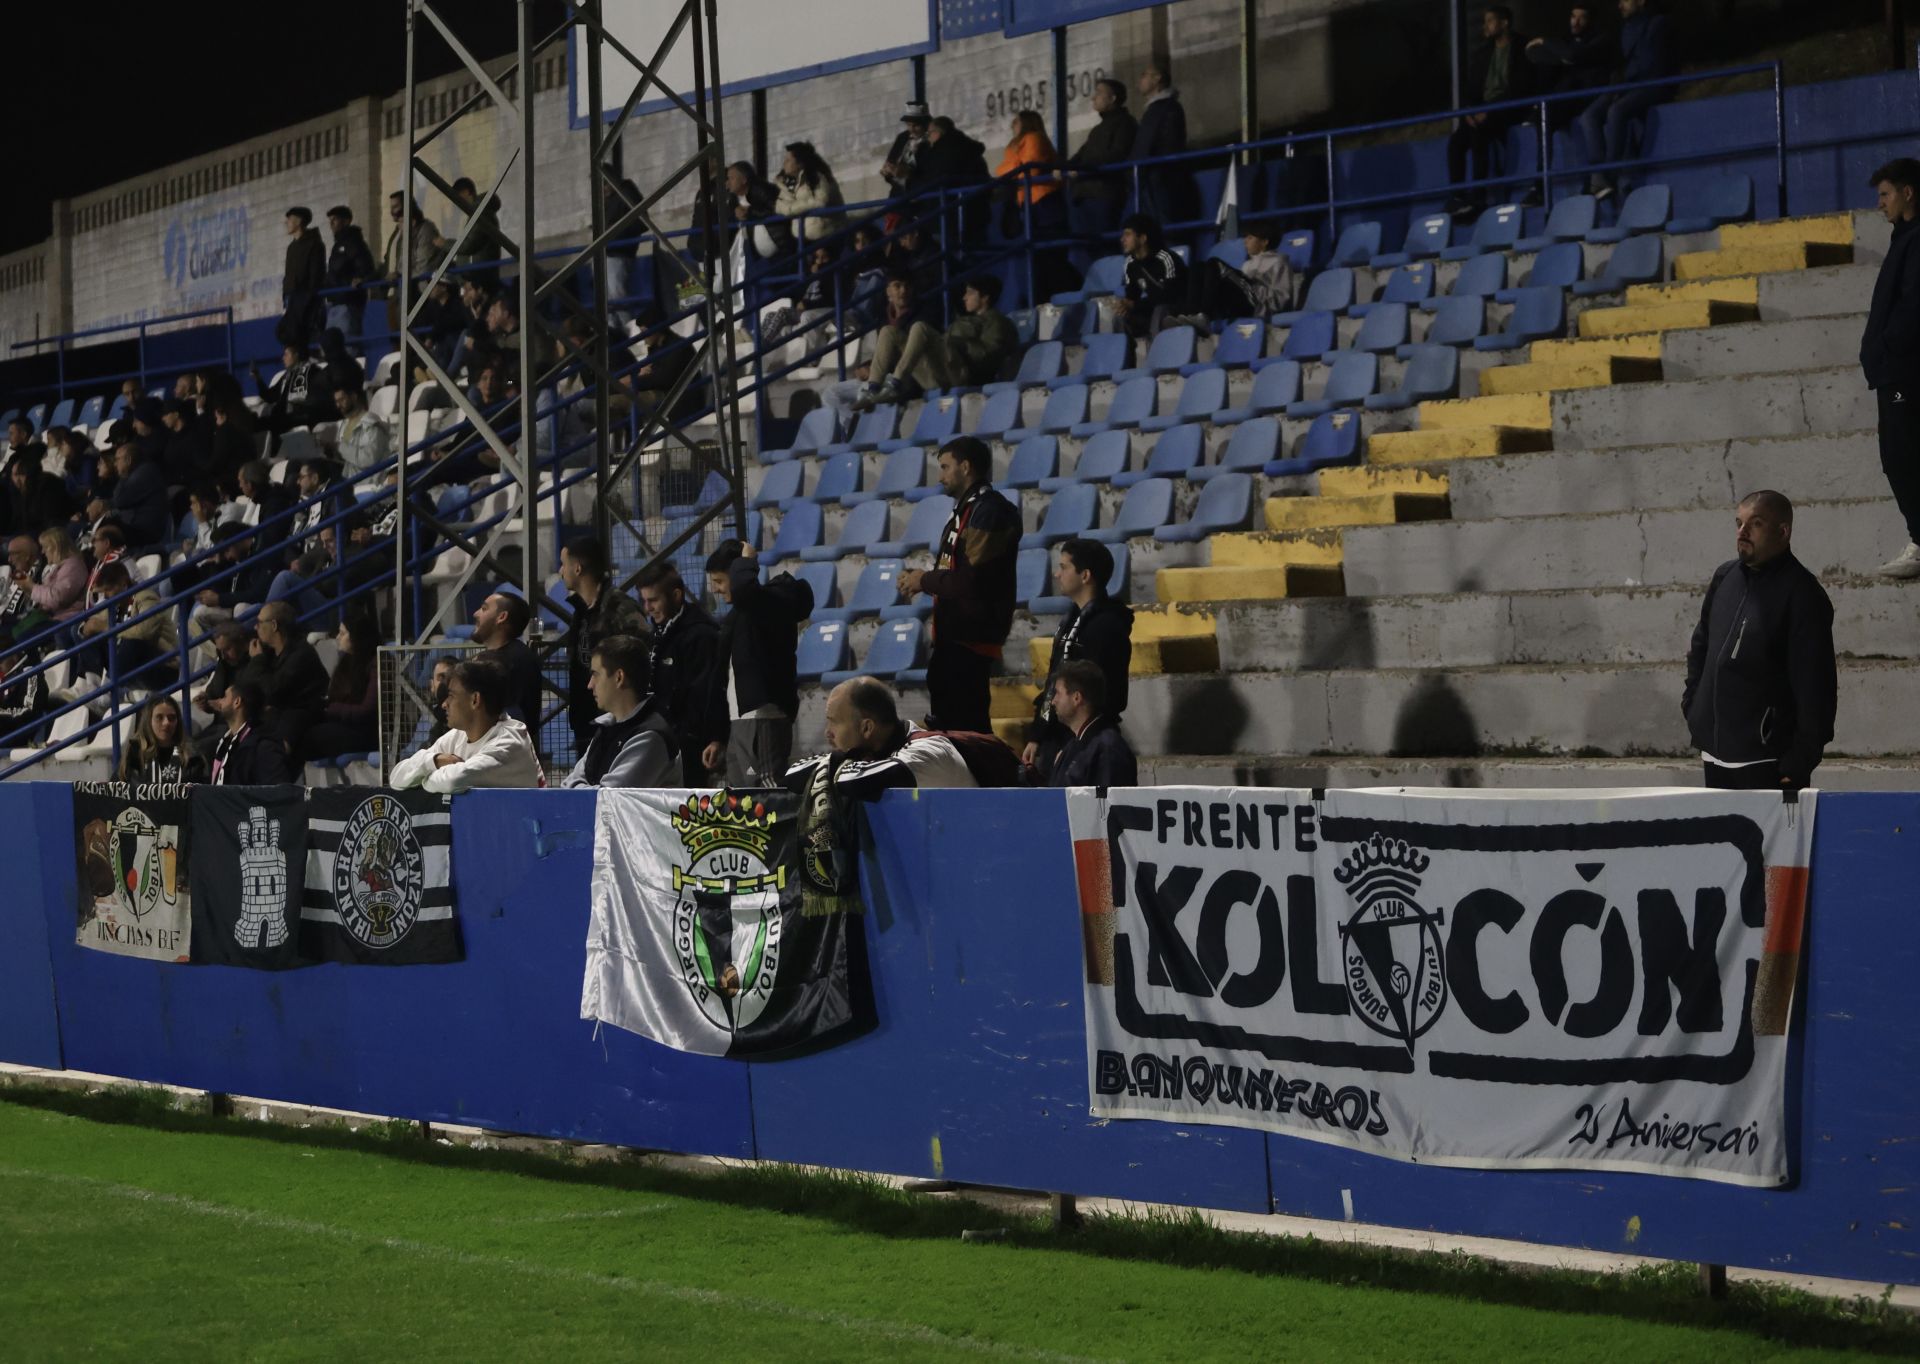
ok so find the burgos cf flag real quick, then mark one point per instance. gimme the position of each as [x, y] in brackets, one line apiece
[704, 935]
[132, 845]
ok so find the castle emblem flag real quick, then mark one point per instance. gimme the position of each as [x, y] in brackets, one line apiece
[702, 938]
[132, 847]
[379, 878]
[249, 855]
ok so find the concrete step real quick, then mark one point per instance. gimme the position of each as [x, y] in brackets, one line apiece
[1618, 549]
[1663, 317]
[1622, 711]
[1760, 260]
[1268, 582]
[1808, 403]
[1837, 290]
[1832, 228]
[1762, 348]
[1455, 442]
[1714, 474]
[1170, 654]
[1527, 411]
[1872, 619]
[1842, 774]
[1541, 376]
[1737, 289]
[1364, 478]
[1359, 509]
[1644, 346]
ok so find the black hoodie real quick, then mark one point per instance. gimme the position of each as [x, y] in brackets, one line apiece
[1103, 633]
[758, 641]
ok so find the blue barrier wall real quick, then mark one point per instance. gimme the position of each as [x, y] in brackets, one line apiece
[977, 1070]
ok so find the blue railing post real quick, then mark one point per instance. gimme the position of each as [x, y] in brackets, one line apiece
[1546, 160]
[1026, 214]
[1333, 197]
[113, 694]
[183, 641]
[1780, 138]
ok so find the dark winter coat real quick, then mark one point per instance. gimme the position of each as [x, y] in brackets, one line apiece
[972, 581]
[1098, 756]
[1101, 633]
[758, 641]
[1890, 345]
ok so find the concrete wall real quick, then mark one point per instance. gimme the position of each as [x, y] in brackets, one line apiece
[23, 297]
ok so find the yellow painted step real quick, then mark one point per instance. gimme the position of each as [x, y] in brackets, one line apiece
[1362, 478]
[1163, 622]
[1733, 289]
[1759, 260]
[1526, 410]
[1244, 549]
[1664, 317]
[1576, 352]
[1199, 653]
[1420, 447]
[1012, 732]
[1248, 584]
[1834, 228]
[1360, 509]
[1012, 699]
[1547, 377]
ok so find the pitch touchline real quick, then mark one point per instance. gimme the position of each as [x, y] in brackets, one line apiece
[709, 1297]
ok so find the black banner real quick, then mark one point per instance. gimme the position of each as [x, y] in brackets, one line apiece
[249, 853]
[379, 878]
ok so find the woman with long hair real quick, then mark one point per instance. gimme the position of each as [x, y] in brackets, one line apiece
[62, 589]
[1045, 210]
[1028, 144]
[806, 183]
[158, 753]
[351, 723]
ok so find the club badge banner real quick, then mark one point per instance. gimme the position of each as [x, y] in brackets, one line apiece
[1572, 980]
[379, 879]
[132, 845]
[249, 854]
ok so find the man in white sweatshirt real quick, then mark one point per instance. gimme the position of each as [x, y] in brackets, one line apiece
[483, 746]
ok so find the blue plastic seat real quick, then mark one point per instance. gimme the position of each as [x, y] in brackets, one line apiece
[1249, 449]
[1384, 328]
[1174, 455]
[1226, 504]
[1071, 512]
[865, 524]
[37, 417]
[1043, 361]
[1242, 341]
[1457, 322]
[1572, 218]
[1558, 267]
[1119, 583]
[1496, 230]
[1537, 314]
[874, 427]
[1171, 349]
[1275, 388]
[821, 580]
[1132, 403]
[1148, 506]
[1034, 459]
[938, 423]
[780, 486]
[877, 588]
[823, 648]
[1066, 408]
[1232, 252]
[1334, 438]
[1001, 413]
[1297, 247]
[1107, 275]
[92, 410]
[1352, 377]
[114, 411]
[839, 475]
[1330, 292]
[1101, 459]
[897, 654]
[1637, 260]
[1200, 397]
[1432, 372]
[62, 413]
[799, 529]
[816, 430]
[1309, 338]
[903, 475]
[1481, 277]
[1410, 286]
[929, 518]
[1358, 244]
[1106, 354]
[1030, 574]
[1646, 210]
[1700, 205]
[1426, 237]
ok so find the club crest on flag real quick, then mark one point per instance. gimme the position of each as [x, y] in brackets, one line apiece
[727, 917]
[378, 873]
[1392, 953]
[132, 862]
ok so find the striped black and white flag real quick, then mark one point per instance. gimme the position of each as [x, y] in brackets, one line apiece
[379, 878]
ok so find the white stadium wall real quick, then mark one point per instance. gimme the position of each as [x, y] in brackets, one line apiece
[23, 298]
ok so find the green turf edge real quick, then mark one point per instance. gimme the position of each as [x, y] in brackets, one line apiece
[1666, 1293]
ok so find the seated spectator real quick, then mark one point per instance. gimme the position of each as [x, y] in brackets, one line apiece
[62, 588]
[300, 585]
[235, 584]
[503, 332]
[914, 254]
[20, 441]
[632, 744]
[1096, 628]
[806, 186]
[298, 397]
[247, 754]
[812, 302]
[875, 751]
[1156, 278]
[349, 265]
[296, 680]
[312, 477]
[866, 281]
[234, 659]
[34, 499]
[1100, 198]
[148, 429]
[363, 562]
[109, 542]
[1495, 72]
[187, 453]
[350, 722]
[901, 168]
[482, 746]
[74, 462]
[482, 245]
[1644, 52]
[1580, 61]
[498, 624]
[139, 500]
[135, 646]
[1263, 286]
[264, 498]
[341, 367]
[971, 352]
[1097, 754]
[158, 753]
[232, 441]
[23, 561]
[667, 358]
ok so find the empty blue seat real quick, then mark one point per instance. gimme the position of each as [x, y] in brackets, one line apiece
[822, 649]
[1065, 409]
[118, 406]
[1330, 292]
[781, 485]
[1432, 372]
[37, 417]
[1035, 458]
[1248, 450]
[1132, 402]
[1481, 277]
[938, 423]
[1226, 504]
[820, 579]
[1497, 229]
[1275, 388]
[1001, 413]
[1571, 219]
[1106, 354]
[1071, 512]
[874, 427]
[1557, 267]
[877, 588]
[62, 413]
[1043, 361]
[1174, 455]
[1031, 572]
[1358, 244]
[1309, 338]
[1200, 397]
[1297, 247]
[897, 654]
[1242, 341]
[929, 518]
[866, 524]
[1409, 285]
[1334, 438]
[1148, 506]
[1425, 237]
[92, 410]
[839, 475]
[1102, 458]
[1637, 260]
[1231, 252]
[1700, 205]
[903, 475]
[816, 430]
[1107, 275]
[1646, 210]
[1383, 329]
[1537, 314]
[799, 529]
[1171, 349]
[1456, 322]
[1351, 380]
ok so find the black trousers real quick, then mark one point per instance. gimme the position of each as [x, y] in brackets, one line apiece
[1900, 451]
[1757, 777]
[960, 689]
[1474, 142]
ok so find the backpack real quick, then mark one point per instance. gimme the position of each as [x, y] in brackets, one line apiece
[990, 761]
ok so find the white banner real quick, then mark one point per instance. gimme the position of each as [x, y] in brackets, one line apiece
[1548, 979]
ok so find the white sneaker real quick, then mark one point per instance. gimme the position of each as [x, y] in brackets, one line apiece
[1905, 564]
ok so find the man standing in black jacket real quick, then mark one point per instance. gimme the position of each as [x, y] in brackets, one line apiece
[349, 265]
[306, 276]
[1097, 629]
[756, 670]
[296, 679]
[1580, 61]
[1761, 679]
[686, 641]
[599, 611]
[1162, 131]
[972, 586]
[498, 625]
[1890, 354]
[1497, 71]
[1096, 754]
[1098, 199]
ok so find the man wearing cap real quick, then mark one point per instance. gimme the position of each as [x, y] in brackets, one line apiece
[306, 276]
[900, 168]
